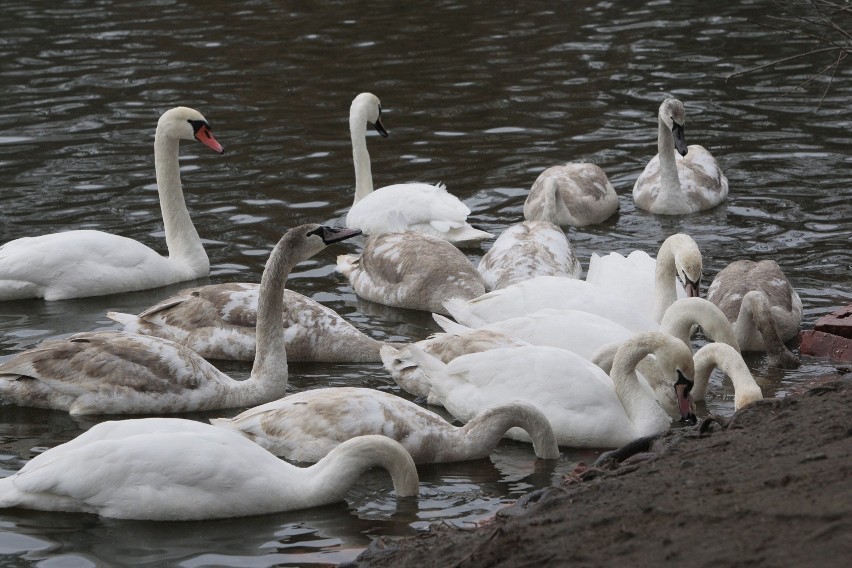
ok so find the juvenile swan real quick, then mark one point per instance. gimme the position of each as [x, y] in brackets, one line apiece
[411, 270]
[308, 425]
[169, 469]
[683, 182]
[761, 305]
[114, 372]
[76, 264]
[572, 195]
[219, 321]
[404, 206]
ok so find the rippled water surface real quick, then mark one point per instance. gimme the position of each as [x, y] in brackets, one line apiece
[480, 95]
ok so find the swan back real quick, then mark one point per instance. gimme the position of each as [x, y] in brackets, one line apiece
[573, 194]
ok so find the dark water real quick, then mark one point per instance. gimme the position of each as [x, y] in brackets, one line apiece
[480, 95]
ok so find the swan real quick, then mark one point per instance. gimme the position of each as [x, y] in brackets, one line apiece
[683, 182]
[411, 270]
[218, 321]
[572, 195]
[545, 292]
[652, 285]
[76, 264]
[710, 356]
[306, 426]
[418, 207]
[762, 306]
[526, 250]
[446, 347]
[171, 469]
[113, 372]
[583, 333]
[586, 407]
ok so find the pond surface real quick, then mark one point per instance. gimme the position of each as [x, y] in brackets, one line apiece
[480, 95]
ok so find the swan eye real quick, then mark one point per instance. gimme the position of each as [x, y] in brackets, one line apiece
[197, 125]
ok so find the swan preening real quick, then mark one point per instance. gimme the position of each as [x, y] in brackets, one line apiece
[572, 195]
[411, 270]
[762, 306]
[418, 207]
[76, 264]
[170, 469]
[114, 372]
[678, 179]
[526, 250]
[308, 425]
[218, 321]
[586, 408]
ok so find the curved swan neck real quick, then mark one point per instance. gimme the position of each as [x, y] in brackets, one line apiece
[732, 364]
[360, 155]
[332, 476]
[686, 312]
[665, 273]
[550, 193]
[756, 310]
[486, 429]
[181, 237]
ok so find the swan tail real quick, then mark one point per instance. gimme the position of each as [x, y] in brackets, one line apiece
[403, 371]
[10, 496]
[449, 325]
[461, 311]
[347, 263]
[130, 322]
[221, 422]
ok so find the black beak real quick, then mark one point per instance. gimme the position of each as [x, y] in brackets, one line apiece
[331, 235]
[380, 128]
[679, 138]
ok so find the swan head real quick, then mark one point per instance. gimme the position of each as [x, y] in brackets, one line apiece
[317, 237]
[366, 107]
[184, 123]
[673, 384]
[673, 115]
[688, 263]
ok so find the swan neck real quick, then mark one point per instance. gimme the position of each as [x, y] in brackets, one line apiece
[484, 431]
[181, 237]
[334, 474]
[669, 180]
[360, 157]
[665, 273]
[639, 403]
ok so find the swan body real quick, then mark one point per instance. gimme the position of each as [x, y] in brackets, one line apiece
[526, 250]
[572, 195]
[417, 207]
[678, 180]
[652, 285]
[115, 372]
[218, 322]
[586, 407]
[545, 292]
[411, 270]
[76, 264]
[762, 306]
[306, 426]
[170, 469]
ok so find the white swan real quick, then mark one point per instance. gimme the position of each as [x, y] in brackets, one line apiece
[585, 407]
[762, 306]
[683, 182]
[583, 333]
[306, 426]
[411, 270]
[170, 469]
[652, 285]
[76, 264]
[572, 195]
[218, 322]
[404, 206]
[526, 250]
[114, 372]
[545, 292]
[445, 347]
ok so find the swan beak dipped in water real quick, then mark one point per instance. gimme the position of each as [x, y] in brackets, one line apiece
[682, 387]
[205, 136]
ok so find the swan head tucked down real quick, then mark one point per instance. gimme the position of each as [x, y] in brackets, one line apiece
[673, 115]
[688, 268]
[366, 110]
[184, 123]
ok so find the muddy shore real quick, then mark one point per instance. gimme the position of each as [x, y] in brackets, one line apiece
[773, 487]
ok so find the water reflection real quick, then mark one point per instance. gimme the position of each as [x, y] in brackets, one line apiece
[480, 95]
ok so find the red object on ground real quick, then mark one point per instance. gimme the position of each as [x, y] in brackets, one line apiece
[820, 344]
[839, 322]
